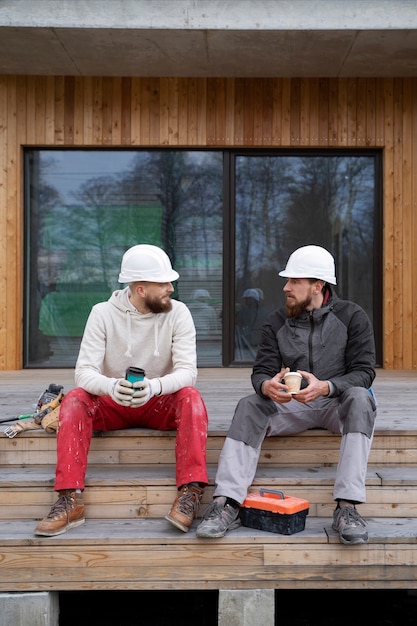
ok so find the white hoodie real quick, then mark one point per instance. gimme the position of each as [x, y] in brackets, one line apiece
[117, 336]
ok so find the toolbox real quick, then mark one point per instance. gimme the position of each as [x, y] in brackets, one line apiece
[271, 510]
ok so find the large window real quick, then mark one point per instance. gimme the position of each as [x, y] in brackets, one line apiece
[228, 220]
[281, 202]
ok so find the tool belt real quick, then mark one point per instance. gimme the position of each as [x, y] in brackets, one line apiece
[49, 423]
[47, 416]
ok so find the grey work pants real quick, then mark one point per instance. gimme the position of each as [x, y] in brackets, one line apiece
[238, 460]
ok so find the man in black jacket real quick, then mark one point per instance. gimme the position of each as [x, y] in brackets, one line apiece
[330, 342]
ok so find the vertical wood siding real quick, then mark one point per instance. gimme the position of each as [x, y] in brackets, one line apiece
[44, 111]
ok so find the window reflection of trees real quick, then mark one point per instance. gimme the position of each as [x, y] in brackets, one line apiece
[288, 201]
[174, 198]
[170, 198]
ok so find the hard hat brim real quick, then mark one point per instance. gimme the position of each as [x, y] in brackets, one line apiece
[141, 276]
[330, 279]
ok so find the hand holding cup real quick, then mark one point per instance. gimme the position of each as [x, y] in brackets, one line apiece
[293, 382]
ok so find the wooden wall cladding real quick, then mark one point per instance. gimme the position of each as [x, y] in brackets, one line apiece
[284, 112]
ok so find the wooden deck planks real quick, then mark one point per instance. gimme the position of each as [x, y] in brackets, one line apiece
[396, 393]
[127, 544]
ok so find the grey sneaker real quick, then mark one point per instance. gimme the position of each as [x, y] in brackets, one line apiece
[219, 517]
[350, 526]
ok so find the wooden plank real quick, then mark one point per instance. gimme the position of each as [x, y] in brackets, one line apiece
[59, 113]
[285, 111]
[267, 86]
[314, 113]
[407, 222]
[142, 532]
[323, 112]
[183, 115]
[69, 109]
[88, 117]
[10, 197]
[78, 111]
[135, 107]
[389, 222]
[258, 113]
[332, 111]
[116, 111]
[351, 111]
[413, 203]
[173, 111]
[40, 109]
[361, 111]
[164, 117]
[396, 233]
[7, 134]
[370, 112]
[193, 113]
[126, 112]
[30, 120]
[269, 457]
[342, 117]
[97, 110]
[154, 104]
[221, 388]
[202, 133]
[295, 119]
[106, 111]
[56, 111]
[277, 113]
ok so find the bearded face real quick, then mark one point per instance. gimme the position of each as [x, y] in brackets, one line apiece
[294, 308]
[158, 303]
[302, 294]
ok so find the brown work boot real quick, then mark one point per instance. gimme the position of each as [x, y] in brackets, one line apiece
[66, 513]
[185, 506]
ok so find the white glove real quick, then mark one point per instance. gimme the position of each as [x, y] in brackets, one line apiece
[144, 390]
[121, 391]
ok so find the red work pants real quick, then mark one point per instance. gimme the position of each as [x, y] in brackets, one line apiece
[81, 413]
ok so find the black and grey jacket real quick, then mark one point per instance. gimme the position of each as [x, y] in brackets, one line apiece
[335, 343]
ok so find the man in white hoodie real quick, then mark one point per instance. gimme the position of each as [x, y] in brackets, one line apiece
[138, 326]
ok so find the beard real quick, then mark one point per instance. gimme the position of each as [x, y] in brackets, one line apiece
[294, 310]
[158, 306]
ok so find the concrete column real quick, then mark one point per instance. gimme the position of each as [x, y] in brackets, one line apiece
[34, 609]
[247, 607]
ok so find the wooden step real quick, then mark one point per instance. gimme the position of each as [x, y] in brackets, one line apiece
[127, 544]
[140, 446]
[150, 554]
[126, 492]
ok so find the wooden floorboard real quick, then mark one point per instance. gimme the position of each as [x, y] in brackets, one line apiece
[396, 393]
[148, 554]
[127, 544]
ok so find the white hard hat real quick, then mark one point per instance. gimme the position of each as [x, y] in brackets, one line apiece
[251, 293]
[148, 263]
[200, 294]
[311, 262]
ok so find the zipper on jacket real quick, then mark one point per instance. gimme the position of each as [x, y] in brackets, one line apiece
[310, 341]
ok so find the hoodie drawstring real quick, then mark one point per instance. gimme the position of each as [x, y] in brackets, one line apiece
[128, 352]
[156, 335]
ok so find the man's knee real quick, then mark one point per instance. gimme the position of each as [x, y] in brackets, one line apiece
[190, 394]
[358, 411]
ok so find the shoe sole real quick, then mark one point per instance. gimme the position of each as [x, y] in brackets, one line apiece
[177, 524]
[353, 542]
[218, 535]
[53, 533]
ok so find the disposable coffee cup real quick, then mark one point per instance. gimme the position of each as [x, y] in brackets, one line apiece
[293, 381]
